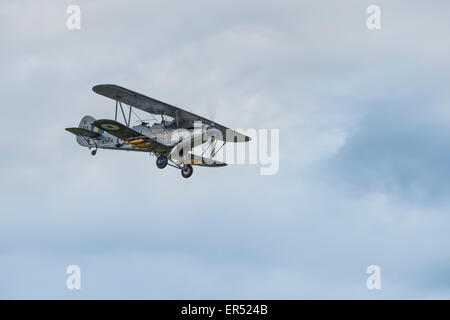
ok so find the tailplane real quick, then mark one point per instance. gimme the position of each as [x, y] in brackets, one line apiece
[86, 132]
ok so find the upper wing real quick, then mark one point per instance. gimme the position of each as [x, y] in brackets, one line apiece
[184, 119]
[125, 133]
[83, 132]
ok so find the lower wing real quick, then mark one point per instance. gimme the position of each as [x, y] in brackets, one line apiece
[130, 136]
[195, 160]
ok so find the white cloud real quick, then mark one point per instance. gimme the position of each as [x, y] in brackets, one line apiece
[310, 69]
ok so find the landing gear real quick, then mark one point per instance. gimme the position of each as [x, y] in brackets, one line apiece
[94, 152]
[186, 171]
[161, 162]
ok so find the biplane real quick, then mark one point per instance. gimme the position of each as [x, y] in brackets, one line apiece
[171, 139]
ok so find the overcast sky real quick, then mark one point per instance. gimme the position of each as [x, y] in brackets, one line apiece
[364, 150]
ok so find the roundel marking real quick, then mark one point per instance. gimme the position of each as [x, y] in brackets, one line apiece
[120, 143]
[109, 126]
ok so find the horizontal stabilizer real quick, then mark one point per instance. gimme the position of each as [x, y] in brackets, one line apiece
[83, 132]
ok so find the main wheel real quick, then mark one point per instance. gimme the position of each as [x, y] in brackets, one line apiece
[161, 161]
[186, 171]
[94, 152]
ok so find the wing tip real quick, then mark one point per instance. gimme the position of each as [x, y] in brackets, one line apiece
[97, 88]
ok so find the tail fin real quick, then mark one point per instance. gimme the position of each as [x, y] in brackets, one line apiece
[87, 122]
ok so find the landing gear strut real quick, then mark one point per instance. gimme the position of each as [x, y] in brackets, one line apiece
[186, 171]
[161, 162]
